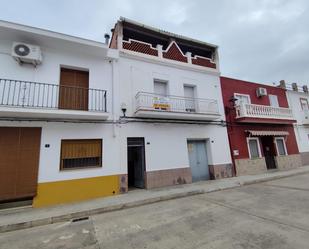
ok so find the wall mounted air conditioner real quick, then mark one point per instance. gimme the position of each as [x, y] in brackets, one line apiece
[26, 53]
[260, 92]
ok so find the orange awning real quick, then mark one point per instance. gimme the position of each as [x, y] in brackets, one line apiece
[268, 133]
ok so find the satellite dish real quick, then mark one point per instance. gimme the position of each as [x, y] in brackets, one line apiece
[22, 50]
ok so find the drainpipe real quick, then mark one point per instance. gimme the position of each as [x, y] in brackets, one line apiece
[113, 98]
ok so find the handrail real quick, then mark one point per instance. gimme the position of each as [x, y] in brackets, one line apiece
[172, 103]
[263, 111]
[19, 93]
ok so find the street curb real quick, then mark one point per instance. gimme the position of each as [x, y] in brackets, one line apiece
[270, 178]
[121, 206]
[86, 213]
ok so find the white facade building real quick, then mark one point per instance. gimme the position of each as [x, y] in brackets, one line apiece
[298, 98]
[173, 107]
[80, 120]
[63, 113]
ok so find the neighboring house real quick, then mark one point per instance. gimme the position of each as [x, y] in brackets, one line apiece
[260, 127]
[298, 98]
[56, 143]
[174, 130]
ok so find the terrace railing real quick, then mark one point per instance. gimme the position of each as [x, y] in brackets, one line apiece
[26, 94]
[169, 103]
[263, 111]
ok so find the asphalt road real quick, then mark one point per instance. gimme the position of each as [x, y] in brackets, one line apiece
[274, 214]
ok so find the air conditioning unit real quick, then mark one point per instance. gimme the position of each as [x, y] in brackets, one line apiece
[26, 53]
[261, 92]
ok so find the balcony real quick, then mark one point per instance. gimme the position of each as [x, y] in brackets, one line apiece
[152, 105]
[33, 100]
[263, 114]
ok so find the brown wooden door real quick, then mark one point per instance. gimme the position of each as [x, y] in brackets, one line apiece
[19, 161]
[73, 92]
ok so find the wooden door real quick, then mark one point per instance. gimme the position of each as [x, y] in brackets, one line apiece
[73, 92]
[269, 151]
[19, 161]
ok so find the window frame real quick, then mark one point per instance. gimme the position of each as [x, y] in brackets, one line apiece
[242, 94]
[273, 95]
[61, 168]
[284, 146]
[155, 80]
[301, 104]
[258, 144]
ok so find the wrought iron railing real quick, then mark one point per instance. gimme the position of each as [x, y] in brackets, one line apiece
[263, 111]
[169, 103]
[28, 94]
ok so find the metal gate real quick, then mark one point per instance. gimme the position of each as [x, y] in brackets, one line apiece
[198, 160]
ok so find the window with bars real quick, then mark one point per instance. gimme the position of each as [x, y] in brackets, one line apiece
[281, 146]
[81, 153]
[254, 148]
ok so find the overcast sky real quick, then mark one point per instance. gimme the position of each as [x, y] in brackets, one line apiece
[259, 40]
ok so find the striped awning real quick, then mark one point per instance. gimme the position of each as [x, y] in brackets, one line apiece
[268, 133]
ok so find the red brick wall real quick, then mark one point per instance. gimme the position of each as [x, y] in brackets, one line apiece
[203, 62]
[140, 47]
[174, 54]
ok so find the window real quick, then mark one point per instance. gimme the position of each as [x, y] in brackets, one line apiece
[189, 98]
[304, 104]
[160, 87]
[273, 99]
[82, 153]
[254, 147]
[242, 99]
[280, 145]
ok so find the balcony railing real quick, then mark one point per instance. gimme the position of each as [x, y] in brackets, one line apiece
[15, 93]
[161, 103]
[262, 111]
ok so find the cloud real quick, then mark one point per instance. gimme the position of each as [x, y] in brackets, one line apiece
[259, 40]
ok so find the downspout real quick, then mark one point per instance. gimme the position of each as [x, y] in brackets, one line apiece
[113, 98]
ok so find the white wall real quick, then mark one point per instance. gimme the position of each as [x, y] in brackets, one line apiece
[138, 76]
[167, 148]
[301, 131]
[168, 142]
[52, 133]
[100, 70]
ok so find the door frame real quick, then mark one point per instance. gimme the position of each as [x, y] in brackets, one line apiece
[207, 151]
[272, 150]
[143, 160]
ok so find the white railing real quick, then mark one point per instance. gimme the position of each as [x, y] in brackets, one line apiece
[263, 111]
[162, 103]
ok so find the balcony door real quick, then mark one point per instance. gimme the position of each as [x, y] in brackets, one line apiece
[189, 98]
[273, 100]
[73, 90]
[160, 100]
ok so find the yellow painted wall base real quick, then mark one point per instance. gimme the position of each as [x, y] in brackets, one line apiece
[51, 193]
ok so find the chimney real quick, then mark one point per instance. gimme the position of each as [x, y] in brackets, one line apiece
[106, 36]
[282, 84]
[305, 89]
[294, 87]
